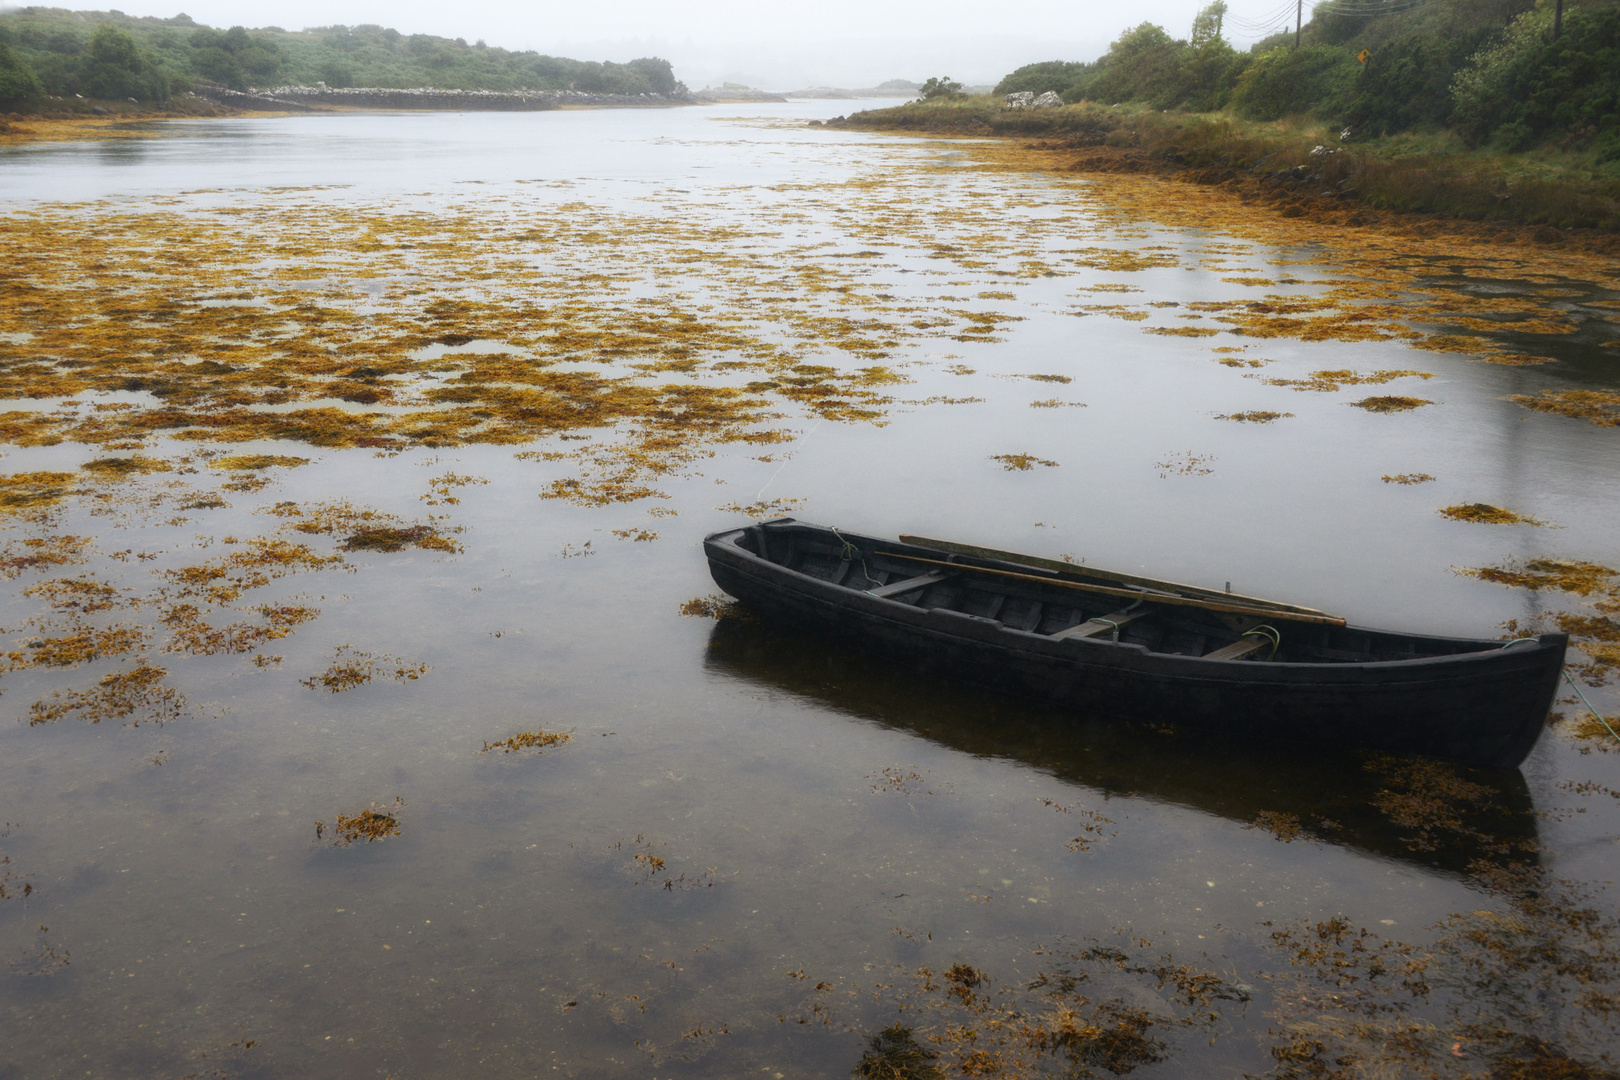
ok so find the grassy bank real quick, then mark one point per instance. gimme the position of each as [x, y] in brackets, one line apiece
[1409, 172]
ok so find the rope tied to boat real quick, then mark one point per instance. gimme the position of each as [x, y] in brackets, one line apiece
[850, 553]
[1271, 634]
[1109, 622]
[1574, 686]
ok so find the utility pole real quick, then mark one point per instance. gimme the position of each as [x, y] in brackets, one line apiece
[1299, 14]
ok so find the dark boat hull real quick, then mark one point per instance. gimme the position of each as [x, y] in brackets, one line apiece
[1484, 707]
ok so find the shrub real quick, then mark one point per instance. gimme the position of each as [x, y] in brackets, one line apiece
[1057, 76]
[117, 68]
[1529, 87]
[1406, 82]
[18, 83]
[1314, 79]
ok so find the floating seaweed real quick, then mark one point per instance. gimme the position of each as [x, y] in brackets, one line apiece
[353, 667]
[1486, 514]
[1258, 416]
[1021, 462]
[372, 824]
[1390, 404]
[1408, 478]
[529, 740]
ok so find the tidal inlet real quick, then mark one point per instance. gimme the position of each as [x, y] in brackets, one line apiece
[369, 710]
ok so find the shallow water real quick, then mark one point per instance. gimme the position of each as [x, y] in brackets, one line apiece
[754, 840]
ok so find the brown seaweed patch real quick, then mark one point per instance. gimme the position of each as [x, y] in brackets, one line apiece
[1391, 404]
[1408, 478]
[529, 740]
[1257, 416]
[1563, 575]
[79, 594]
[84, 644]
[222, 581]
[637, 535]
[895, 1054]
[1021, 462]
[29, 491]
[122, 694]
[371, 824]
[36, 553]
[352, 667]
[248, 462]
[191, 634]
[1600, 407]
[1329, 381]
[1056, 403]
[901, 780]
[384, 538]
[712, 607]
[1486, 514]
[1181, 331]
[1184, 464]
[119, 468]
[762, 508]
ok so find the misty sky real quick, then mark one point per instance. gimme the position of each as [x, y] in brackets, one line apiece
[775, 46]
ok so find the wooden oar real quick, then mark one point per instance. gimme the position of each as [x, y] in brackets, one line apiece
[1139, 593]
[1106, 575]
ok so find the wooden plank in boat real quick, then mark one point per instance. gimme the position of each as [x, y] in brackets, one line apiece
[1241, 649]
[921, 581]
[1107, 624]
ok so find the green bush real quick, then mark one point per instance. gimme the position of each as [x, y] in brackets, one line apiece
[1530, 88]
[118, 68]
[1313, 79]
[1140, 66]
[18, 83]
[1056, 76]
[1406, 82]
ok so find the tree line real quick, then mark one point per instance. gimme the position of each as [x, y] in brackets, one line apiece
[1507, 74]
[52, 52]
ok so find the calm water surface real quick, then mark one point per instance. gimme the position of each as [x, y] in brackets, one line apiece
[826, 823]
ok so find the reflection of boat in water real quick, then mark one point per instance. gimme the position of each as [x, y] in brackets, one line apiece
[1493, 820]
[1112, 644]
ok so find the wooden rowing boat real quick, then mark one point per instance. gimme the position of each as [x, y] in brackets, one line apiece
[1117, 645]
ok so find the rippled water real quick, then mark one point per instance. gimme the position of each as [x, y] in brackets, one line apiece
[754, 840]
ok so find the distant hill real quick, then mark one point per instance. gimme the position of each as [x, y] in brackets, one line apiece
[107, 54]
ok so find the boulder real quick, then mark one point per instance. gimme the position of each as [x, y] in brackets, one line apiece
[1022, 99]
[1048, 100]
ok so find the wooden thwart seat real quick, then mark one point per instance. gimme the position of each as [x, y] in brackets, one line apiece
[1105, 624]
[911, 584]
[1241, 649]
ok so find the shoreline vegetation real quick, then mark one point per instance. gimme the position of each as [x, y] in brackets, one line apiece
[1297, 163]
[1488, 116]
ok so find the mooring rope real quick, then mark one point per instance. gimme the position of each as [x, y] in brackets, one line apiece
[1588, 705]
[849, 553]
[1575, 686]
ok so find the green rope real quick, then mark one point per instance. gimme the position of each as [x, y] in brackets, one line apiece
[1108, 622]
[1271, 634]
[850, 553]
[1588, 704]
[1576, 687]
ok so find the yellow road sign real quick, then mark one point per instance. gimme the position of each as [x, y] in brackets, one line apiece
[1364, 55]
